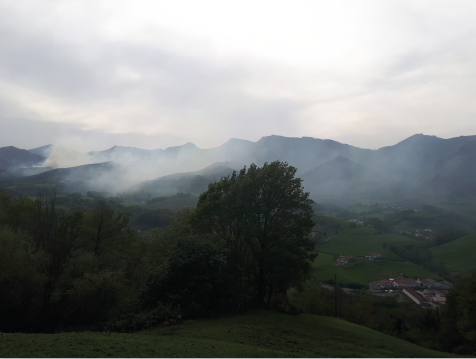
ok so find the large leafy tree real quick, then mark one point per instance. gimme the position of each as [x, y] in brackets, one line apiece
[265, 216]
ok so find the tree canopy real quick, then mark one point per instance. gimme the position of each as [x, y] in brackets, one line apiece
[265, 216]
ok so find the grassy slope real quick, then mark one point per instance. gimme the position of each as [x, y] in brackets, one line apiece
[358, 245]
[366, 271]
[259, 334]
[459, 254]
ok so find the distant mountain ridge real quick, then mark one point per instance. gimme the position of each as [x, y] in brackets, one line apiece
[418, 163]
[15, 157]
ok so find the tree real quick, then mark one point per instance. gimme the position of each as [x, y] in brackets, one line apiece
[459, 314]
[195, 275]
[265, 217]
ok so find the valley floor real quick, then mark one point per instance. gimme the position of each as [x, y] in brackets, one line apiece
[258, 334]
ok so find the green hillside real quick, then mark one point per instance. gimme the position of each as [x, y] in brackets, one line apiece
[358, 245]
[459, 255]
[365, 271]
[259, 334]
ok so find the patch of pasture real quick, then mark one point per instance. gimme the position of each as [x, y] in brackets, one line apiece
[365, 271]
[459, 254]
[359, 245]
[408, 269]
[362, 272]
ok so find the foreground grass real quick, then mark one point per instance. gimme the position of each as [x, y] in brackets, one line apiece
[259, 334]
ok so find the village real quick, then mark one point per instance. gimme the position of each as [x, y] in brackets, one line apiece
[428, 293]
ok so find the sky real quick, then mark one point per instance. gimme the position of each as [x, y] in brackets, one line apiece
[153, 74]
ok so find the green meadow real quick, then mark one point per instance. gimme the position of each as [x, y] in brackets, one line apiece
[458, 254]
[364, 271]
[359, 245]
[259, 334]
[356, 243]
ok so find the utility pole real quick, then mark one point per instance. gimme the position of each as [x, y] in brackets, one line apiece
[335, 295]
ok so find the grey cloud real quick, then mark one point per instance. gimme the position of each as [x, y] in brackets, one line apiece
[167, 85]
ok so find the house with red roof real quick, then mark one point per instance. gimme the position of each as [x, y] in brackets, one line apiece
[416, 297]
[373, 255]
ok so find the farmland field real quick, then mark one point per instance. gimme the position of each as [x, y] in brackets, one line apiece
[358, 245]
[458, 255]
[364, 271]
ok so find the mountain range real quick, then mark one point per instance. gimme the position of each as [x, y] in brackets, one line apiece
[418, 165]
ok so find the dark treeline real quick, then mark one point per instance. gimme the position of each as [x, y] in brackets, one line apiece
[164, 198]
[77, 268]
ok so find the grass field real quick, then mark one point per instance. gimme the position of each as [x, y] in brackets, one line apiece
[365, 271]
[258, 334]
[459, 255]
[358, 245]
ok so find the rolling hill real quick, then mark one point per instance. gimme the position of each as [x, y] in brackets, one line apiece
[258, 334]
[417, 167]
[15, 157]
[190, 182]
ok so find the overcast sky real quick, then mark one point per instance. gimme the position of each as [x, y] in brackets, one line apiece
[155, 74]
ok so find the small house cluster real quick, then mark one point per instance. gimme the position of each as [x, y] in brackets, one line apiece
[344, 260]
[422, 233]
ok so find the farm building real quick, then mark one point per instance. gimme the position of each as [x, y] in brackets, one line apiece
[405, 283]
[375, 287]
[416, 297]
[435, 292]
[439, 300]
[373, 255]
[345, 259]
[429, 283]
[386, 284]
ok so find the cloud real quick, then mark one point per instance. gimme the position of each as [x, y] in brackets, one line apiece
[159, 74]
